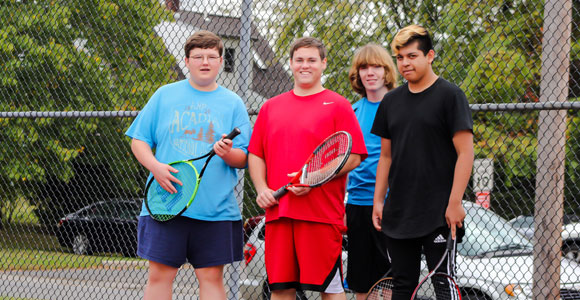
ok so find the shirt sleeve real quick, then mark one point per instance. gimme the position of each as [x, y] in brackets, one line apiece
[346, 120]
[145, 124]
[256, 146]
[459, 113]
[242, 121]
[380, 124]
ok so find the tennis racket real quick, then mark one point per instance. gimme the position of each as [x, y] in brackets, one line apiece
[164, 206]
[323, 164]
[438, 285]
[382, 289]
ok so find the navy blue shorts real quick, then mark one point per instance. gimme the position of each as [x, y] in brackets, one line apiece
[201, 243]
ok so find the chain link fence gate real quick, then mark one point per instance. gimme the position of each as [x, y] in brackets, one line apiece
[75, 73]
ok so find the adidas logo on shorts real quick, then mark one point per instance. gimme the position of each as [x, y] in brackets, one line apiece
[439, 239]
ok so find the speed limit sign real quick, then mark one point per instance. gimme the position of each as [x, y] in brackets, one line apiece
[483, 175]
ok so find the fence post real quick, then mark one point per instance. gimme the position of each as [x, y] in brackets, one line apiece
[551, 150]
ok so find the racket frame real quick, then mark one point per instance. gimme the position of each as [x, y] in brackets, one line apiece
[198, 175]
[301, 176]
[450, 244]
[370, 293]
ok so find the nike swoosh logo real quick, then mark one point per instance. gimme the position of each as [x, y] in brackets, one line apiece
[326, 103]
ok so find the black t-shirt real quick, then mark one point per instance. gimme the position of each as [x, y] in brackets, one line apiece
[421, 128]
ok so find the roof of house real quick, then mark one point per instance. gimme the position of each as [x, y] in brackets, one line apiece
[267, 82]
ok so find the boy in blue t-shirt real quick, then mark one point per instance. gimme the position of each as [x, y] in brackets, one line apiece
[183, 120]
[372, 75]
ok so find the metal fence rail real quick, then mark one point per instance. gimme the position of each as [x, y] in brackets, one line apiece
[74, 74]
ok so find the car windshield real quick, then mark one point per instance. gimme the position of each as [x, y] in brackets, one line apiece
[523, 222]
[489, 234]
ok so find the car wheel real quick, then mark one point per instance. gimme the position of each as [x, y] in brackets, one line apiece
[81, 244]
[572, 251]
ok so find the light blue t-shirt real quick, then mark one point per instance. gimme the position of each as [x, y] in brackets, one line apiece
[361, 181]
[180, 123]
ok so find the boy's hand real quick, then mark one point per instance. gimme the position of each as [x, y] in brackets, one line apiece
[298, 190]
[223, 146]
[377, 216]
[162, 173]
[454, 216]
[265, 198]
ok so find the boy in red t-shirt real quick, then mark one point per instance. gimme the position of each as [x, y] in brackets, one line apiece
[304, 228]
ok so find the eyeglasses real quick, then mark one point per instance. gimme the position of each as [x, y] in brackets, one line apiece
[201, 58]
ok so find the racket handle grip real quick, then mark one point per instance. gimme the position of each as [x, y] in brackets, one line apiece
[280, 192]
[450, 241]
[233, 134]
[230, 136]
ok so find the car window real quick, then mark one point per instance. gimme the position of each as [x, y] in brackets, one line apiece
[523, 222]
[127, 210]
[104, 210]
[486, 231]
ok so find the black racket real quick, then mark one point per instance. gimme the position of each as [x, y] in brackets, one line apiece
[439, 285]
[164, 206]
[323, 164]
[382, 289]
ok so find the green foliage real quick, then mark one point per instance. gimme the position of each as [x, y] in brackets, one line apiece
[74, 55]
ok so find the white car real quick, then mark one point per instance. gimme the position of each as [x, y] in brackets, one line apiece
[570, 233]
[494, 262]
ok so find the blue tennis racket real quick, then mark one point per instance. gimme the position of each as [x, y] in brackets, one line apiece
[164, 206]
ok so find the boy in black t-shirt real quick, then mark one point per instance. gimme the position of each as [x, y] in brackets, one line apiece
[426, 158]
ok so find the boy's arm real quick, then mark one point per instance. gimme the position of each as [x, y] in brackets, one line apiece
[382, 182]
[352, 162]
[233, 157]
[463, 142]
[257, 168]
[161, 172]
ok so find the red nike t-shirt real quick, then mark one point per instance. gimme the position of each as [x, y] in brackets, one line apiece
[288, 129]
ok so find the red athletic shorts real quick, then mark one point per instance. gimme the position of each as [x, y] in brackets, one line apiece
[304, 255]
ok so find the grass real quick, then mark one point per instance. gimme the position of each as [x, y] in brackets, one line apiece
[26, 247]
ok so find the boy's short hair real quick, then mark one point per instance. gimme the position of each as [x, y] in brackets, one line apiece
[308, 42]
[409, 35]
[372, 55]
[205, 40]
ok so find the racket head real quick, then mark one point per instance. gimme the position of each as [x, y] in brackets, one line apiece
[327, 159]
[381, 290]
[439, 286]
[164, 206]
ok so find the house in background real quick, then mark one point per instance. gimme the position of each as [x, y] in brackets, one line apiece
[267, 78]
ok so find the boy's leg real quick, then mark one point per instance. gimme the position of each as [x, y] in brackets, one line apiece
[211, 283]
[160, 281]
[367, 251]
[319, 256]
[164, 245]
[280, 257]
[405, 265]
[288, 294]
[213, 244]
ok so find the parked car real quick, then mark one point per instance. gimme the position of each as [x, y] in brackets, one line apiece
[570, 233]
[104, 226]
[494, 262]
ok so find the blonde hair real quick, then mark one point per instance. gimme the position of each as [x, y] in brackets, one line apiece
[372, 55]
[409, 35]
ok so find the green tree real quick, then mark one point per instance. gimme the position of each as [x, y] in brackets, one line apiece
[491, 49]
[74, 55]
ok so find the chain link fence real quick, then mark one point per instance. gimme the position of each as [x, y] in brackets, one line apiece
[75, 73]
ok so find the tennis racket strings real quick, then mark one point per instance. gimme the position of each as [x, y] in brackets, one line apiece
[382, 290]
[327, 158]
